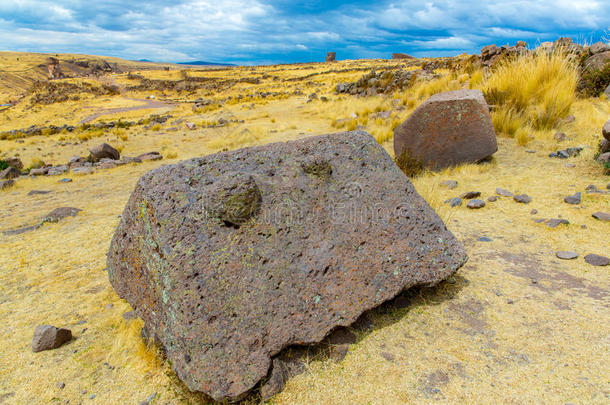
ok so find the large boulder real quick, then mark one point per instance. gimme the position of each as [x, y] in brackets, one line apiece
[596, 62]
[448, 129]
[331, 56]
[402, 56]
[233, 257]
[606, 130]
[599, 47]
[102, 151]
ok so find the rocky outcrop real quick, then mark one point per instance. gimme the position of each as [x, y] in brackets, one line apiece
[448, 129]
[384, 82]
[233, 257]
[492, 54]
[331, 57]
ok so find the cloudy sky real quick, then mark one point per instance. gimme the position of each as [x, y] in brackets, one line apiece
[273, 31]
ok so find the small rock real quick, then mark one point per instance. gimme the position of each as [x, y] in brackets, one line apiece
[39, 172]
[522, 198]
[454, 202]
[555, 222]
[559, 136]
[566, 255]
[65, 180]
[503, 192]
[57, 170]
[592, 188]
[485, 239]
[60, 213]
[597, 260]
[573, 199]
[387, 356]
[470, 195]
[533, 212]
[61, 385]
[150, 156]
[5, 184]
[39, 192]
[450, 184]
[47, 337]
[475, 204]
[602, 216]
[276, 381]
[510, 301]
[109, 306]
[103, 151]
[189, 125]
[92, 396]
[569, 119]
[570, 165]
[493, 198]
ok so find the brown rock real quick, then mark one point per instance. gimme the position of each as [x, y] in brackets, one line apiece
[103, 151]
[331, 56]
[503, 192]
[47, 337]
[10, 173]
[602, 216]
[39, 172]
[597, 61]
[599, 47]
[522, 198]
[604, 146]
[597, 260]
[448, 129]
[573, 199]
[469, 195]
[475, 204]
[150, 156]
[233, 257]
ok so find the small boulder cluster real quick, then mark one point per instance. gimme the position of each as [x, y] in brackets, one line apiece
[492, 54]
[384, 82]
[102, 156]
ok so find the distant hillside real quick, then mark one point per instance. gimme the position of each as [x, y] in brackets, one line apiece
[203, 63]
[19, 70]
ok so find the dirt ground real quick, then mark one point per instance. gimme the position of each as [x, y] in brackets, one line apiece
[514, 325]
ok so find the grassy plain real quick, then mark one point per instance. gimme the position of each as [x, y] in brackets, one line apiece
[515, 325]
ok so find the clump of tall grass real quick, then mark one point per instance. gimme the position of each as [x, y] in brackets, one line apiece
[535, 89]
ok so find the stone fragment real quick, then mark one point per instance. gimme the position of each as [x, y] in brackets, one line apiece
[47, 337]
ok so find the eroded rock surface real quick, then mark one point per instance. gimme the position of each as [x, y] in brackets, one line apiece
[232, 257]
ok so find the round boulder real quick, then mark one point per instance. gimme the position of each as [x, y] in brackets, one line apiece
[449, 129]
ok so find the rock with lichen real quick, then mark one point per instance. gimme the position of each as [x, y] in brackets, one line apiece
[233, 257]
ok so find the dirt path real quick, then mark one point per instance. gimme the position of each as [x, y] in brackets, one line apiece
[148, 104]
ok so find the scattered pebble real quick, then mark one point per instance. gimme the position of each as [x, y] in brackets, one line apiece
[566, 255]
[148, 400]
[61, 385]
[522, 198]
[570, 165]
[65, 180]
[503, 192]
[39, 192]
[602, 216]
[560, 137]
[597, 260]
[475, 204]
[566, 153]
[454, 202]
[555, 222]
[493, 198]
[92, 396]
[510, 301]
[109, 306]
[573, 199]
[534, 211]
[470, 195]
[485, 239]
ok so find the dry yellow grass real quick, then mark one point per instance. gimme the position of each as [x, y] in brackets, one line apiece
[463, 341]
